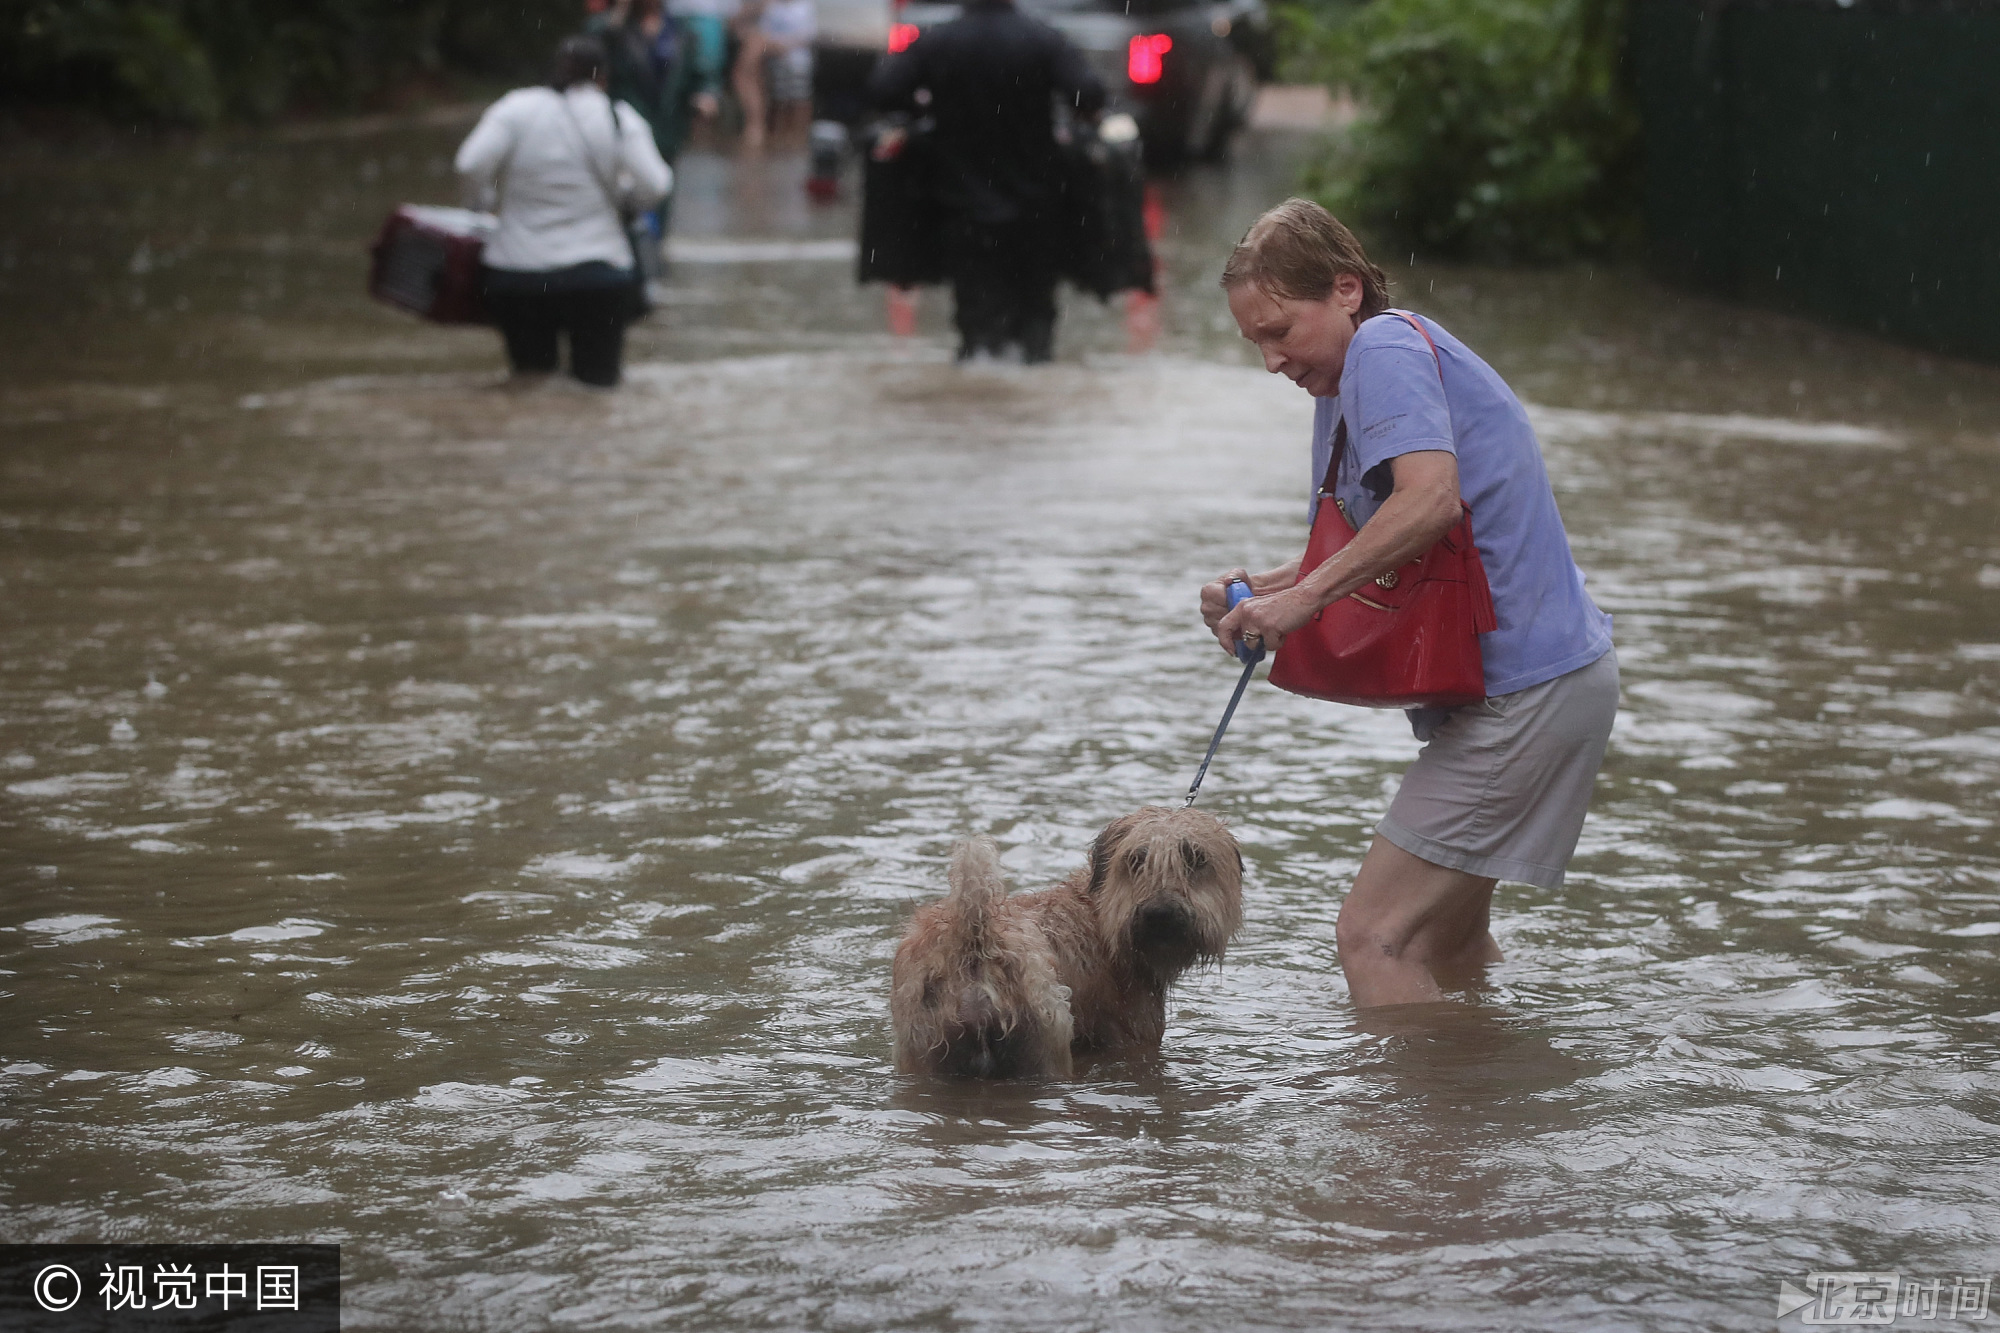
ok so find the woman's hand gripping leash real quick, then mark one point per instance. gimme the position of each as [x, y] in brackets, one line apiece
[1239, 592]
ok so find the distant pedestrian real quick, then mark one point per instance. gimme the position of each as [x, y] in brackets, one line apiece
[662, 68]
[990, 79]
[562, 162]
[788, 28]
[747, 76]
[706, 24]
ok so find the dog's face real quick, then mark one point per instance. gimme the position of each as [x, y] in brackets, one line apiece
[1167, 884]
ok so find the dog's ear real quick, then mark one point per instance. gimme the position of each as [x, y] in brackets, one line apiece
[1104, 851]
[1101, 852]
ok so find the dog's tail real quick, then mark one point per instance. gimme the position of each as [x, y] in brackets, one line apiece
[977, 885]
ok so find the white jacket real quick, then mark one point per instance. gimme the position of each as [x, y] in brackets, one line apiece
[553, 212]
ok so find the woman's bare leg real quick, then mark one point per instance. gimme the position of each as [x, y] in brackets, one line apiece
[1408, 923]
[748, 78]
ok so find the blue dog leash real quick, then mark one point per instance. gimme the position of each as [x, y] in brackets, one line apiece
[1239, 592]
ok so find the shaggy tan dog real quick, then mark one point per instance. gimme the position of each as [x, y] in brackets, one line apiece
[988, 986]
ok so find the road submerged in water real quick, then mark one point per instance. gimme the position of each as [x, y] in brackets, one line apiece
[472, 826]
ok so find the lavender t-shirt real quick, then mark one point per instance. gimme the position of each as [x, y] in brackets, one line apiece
[1395, 403]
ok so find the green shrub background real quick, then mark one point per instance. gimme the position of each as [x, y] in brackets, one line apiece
[199, 61]
[1491, 129]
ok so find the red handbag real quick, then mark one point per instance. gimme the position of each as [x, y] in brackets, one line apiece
[1410, 639]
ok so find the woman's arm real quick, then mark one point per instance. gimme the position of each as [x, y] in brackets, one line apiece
[486, 148]
[1422, 508]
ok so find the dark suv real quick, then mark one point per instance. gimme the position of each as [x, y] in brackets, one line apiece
[1186, 71]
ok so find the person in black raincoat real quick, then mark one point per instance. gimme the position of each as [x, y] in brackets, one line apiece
[989, 80]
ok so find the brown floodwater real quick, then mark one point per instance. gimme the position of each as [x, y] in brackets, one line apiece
[472, 826]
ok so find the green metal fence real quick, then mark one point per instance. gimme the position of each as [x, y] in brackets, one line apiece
[1839, 161]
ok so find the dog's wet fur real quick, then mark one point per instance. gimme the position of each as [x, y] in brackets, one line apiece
[986, 985]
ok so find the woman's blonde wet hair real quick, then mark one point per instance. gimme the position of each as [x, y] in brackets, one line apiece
[1296, 250]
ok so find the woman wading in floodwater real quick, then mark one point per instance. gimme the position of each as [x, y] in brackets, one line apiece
[1500, 788]
[561, 162]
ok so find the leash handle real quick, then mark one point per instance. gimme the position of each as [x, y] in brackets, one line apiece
[1239, 593]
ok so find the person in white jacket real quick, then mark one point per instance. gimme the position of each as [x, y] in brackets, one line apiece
[558, 164]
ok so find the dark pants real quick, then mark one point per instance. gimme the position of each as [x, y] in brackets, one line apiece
[590, 302]
[1003, 286]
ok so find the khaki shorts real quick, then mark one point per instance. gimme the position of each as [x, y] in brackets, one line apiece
[1501, 789]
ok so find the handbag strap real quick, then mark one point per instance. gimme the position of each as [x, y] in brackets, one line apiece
[1418, 325]
[590, 158]
[1332, 474]
[590, 162]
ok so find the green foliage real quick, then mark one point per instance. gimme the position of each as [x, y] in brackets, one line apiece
[1495, 129]
[197, 61]
[140, 57]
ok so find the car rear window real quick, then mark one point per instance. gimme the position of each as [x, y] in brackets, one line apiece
[1133, 7]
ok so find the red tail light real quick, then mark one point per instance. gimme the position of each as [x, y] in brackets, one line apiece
[901, 35]
[1142, 57]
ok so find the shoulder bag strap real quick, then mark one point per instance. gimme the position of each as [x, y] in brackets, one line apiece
[589, 158]
[590, 162]
[1332, 474]
[1418, 325]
